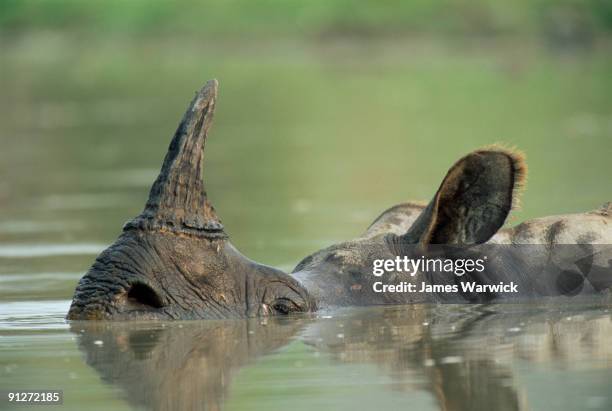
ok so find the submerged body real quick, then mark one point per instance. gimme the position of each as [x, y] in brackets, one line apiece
[175, 261]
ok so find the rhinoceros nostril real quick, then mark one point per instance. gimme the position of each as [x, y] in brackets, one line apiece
[142, 295]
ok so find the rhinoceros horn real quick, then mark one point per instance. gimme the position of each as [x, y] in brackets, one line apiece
[177, 200]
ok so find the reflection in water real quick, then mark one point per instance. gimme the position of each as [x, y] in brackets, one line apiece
[186, 366]
[465, 357]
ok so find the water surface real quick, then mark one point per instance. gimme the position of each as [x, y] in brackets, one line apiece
[457, 357]
[312, 140]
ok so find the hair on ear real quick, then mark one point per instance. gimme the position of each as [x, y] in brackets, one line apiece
[519, 167]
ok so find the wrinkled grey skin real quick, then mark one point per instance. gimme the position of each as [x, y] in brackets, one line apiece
[174, 260]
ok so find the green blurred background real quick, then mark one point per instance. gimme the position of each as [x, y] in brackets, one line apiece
[329, 111]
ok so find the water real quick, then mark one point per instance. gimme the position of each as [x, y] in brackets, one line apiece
[312, 140]
[422, 357]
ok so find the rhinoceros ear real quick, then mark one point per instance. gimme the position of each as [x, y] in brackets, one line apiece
[473, 200]
[177, 200]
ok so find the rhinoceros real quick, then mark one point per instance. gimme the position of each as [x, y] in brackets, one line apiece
[175, 260]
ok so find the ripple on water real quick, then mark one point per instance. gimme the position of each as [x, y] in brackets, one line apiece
[45, 250]
[31, 226]
[83, 201]
[33, 315]
[37, 286]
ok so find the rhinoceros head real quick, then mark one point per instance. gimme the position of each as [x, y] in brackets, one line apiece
[174, 260]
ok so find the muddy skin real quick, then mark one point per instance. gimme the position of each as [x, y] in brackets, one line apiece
[174, 260]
